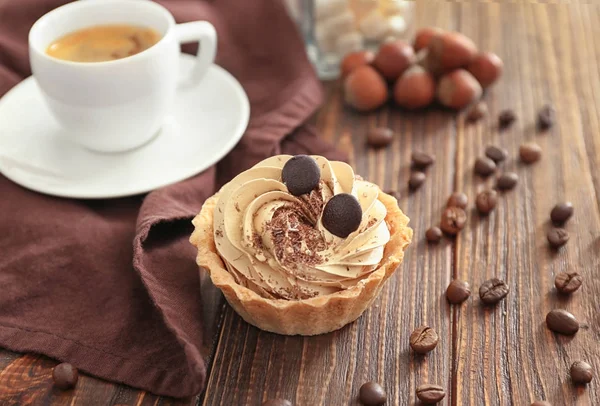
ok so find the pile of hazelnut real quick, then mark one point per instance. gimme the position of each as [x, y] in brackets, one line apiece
[440, 65]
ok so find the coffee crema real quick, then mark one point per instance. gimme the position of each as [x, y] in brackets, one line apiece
[103, 43]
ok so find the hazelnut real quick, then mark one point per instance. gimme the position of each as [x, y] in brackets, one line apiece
[393, 59]
[458, 89]
[486, 67]
[365, 89]
[423, 37]
[415, 88]
[355, 59]
[450, 50]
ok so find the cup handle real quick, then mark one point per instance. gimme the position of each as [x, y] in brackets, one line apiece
[205, 34]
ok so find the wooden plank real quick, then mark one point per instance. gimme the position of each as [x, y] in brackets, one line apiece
[506, 355]
[588, 79]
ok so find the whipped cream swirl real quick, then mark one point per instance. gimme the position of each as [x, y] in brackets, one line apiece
[275, 244]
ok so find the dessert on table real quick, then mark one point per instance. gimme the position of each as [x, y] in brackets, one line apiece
[300, 245]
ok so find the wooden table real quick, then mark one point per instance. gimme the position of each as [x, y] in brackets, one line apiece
[498, 356]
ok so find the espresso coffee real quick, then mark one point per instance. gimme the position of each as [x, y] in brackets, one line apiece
[103, 43]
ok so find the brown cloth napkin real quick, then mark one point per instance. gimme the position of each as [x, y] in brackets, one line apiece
[111, 286]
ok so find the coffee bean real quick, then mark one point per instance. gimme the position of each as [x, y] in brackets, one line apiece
[562, 212]
[557, 237]
[541, 403]
[458, 199]
[342, 215]
[433, 234]
[277, 402]
[484, 166]
[458, 291]
[496, 154]
[530, 152]
[421, 160]
[454, 219]
[380, 137]
[372, 394]
[567, 282]
[562, 322]
[581, 373]
[493, 290]
[507, 180]
[430, 394]
[423, 339]
[416, 180]
[301, 174]
[65, 376]
[486, 201]
[546, 117]
[477, 111]
[506, 119]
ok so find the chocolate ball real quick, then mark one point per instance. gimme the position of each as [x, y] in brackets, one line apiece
[342, 215]
[301, 175]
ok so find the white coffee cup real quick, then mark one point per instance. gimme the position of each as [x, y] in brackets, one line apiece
[115, 105]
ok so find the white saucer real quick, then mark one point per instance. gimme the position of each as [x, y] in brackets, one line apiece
[208, 120]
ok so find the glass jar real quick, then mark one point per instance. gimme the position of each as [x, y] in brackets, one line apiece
[333, 28]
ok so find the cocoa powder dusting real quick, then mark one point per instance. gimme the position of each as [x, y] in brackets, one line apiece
[296, 292]
[257, 242]
[295, 239]
[313, 202]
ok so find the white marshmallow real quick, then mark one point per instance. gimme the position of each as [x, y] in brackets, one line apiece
[349, 42]
[337, 25]
[329, 8]
[374, 26]
[397, 26]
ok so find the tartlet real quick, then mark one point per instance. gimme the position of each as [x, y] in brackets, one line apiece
[285, 262]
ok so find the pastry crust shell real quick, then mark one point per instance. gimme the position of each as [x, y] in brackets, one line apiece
[317, 315]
